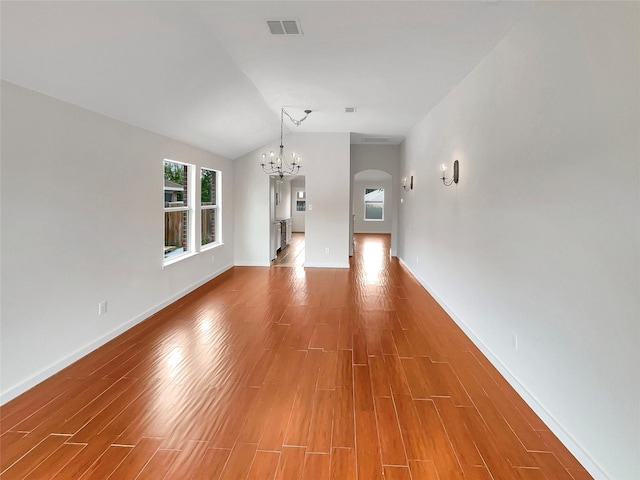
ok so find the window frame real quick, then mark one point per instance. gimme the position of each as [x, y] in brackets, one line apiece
[216, 207]
[369, 202]
[188, 208]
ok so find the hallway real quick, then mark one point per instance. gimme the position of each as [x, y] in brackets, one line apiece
[286, 373]
[293, 254]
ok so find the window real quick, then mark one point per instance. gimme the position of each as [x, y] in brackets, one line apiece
[374, 204]
[178, 208]
[301, 202]
[209, 207]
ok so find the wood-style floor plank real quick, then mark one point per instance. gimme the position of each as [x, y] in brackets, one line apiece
[285, 374]
[104, 466]
[316, 466]
[264, 466]
[291, 463]
[391, 444]
[239, 463]
[212, 464]
[35, 456]
[343, 464]
[396, 473]
[85, 458]
[369, 465]
[55, 462]
[159, 465]
[138, 457]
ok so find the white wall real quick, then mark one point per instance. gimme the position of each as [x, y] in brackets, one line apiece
[283, 209]
[360, 224]
[540, 239]
[327, 183]
[326, 170]
[82, 222]
[252, 221]
[387, 159]
[297, 218]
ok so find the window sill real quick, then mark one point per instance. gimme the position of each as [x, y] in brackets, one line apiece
[178, 258]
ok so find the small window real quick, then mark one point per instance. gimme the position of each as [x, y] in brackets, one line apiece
[374, 204]
[178, 209]
[301, 206]
[209, 207]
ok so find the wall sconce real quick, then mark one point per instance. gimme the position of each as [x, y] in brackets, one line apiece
[456, 174]
[406, 186]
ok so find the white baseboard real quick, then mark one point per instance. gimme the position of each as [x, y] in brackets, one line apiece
[54, 368]
[325, 265]
[565, 437]
[243, 263]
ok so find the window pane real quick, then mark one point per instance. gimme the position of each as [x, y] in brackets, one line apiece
[175, 184]
[208, 180]
[374, 194]
[374, 203]
[373, 211]
[208, 218]
[301, 206]
[175, 233]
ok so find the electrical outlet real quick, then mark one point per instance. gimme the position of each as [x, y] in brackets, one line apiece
[326, 250]
[102, 307]
[515, 342]
[417, 259]
[213, 258]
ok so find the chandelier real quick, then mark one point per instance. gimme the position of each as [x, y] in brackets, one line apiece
[279, 165]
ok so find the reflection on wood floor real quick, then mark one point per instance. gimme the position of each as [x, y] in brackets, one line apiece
[293, 254]
[286, 373]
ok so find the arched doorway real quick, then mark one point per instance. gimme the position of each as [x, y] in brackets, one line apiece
[372, 203]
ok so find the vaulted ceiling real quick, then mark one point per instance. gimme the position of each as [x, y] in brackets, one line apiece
[211, 74]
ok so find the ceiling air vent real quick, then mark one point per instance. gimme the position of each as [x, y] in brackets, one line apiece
[376, 139]
[284, 27]
[350, 109]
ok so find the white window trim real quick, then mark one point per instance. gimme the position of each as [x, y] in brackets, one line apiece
[217, 206]
[190, 208]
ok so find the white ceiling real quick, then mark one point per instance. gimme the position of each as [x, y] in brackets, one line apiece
[211, 74]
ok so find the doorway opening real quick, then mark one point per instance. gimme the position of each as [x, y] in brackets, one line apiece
[289, 206]
[293, 254]
[373, 209]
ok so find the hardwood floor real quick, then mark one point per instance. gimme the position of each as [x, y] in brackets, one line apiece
[293, 254]
[285, 373]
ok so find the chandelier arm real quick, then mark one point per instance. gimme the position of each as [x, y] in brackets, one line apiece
[293, 120]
